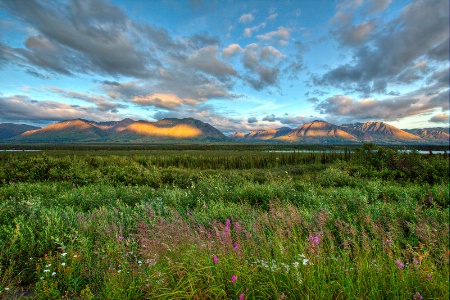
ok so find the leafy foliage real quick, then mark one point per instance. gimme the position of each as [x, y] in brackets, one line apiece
[190, 225]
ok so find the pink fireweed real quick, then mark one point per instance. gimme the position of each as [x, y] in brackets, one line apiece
[237, 227]
[227, 225]
[241, 296]
[215, 259]
[417, 296]
[233, 278]
[399, 264]
[314, 239]
[120, 238]
[429, 276]
[235, 246]
[415, 261]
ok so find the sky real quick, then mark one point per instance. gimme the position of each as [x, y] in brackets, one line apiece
[237, 65]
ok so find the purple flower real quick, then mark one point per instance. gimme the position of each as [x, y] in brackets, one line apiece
[204, 205]
[120, 238]
[415, 261]
[188, 214]
[227, 225]
[399, 264]
[74, 184]
[429, 276]
[241, 296]
[235, 246]
[237, 227]
[417, 296]
[215, 259]
[233, 278]
[314, 239]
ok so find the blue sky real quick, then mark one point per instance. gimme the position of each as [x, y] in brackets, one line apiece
[238, 65]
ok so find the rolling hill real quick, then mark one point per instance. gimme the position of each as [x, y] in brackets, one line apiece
[9, 130]
[127, 130]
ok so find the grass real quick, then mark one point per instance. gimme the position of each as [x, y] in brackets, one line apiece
[139, 227]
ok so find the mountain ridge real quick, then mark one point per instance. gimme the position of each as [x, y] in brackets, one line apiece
[193, 130]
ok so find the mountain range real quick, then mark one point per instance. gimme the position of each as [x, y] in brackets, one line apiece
[191, 130]
[323, 132]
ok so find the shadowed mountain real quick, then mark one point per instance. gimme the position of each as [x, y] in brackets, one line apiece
[379, 132]
[317, 131]
[261, 135]
[436, 134]
[9, 130]
[122, 131]
[66, 131]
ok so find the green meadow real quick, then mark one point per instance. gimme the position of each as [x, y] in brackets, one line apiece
[234, 223]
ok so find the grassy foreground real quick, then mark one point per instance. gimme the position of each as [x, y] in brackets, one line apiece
[235, 225]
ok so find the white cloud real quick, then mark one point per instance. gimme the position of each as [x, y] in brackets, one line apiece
[281, 33]
[246, 18]
[231, 50]
[248, 32]
[205, 59]
[167, 101]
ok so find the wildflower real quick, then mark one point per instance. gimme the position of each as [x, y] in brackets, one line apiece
[314, 239]
[429, 276]
[204, 205]
[54, 273]
[63, 254]
[237, 227]
[415, 261]
[399, 264]
[63, 264]
[215, 259]
[42, 278]
[74, 184]
[48, 265]
[46, 270]
[295, 264]
[227, 225]
[241, 296]
[188, 214]
[417, 296]
[235, 246]
[120, 238]
[305, 261]
[233, 278]
[7, 289]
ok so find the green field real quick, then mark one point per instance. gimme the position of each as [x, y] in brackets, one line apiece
[235, 223]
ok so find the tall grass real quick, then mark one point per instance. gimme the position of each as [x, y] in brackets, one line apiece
[341, 230]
